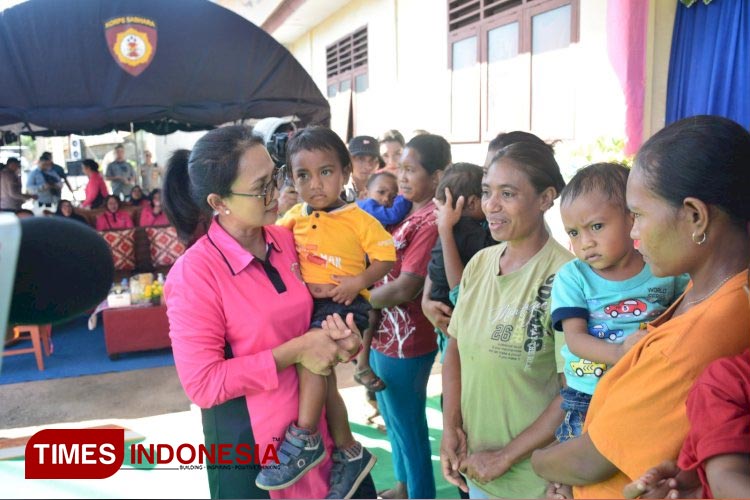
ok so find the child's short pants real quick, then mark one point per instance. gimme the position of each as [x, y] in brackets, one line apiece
[360, 307]
[576, 405]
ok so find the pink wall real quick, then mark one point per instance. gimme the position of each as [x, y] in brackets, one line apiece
[626, 44]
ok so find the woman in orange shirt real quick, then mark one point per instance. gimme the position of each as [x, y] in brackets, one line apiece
[688, 192]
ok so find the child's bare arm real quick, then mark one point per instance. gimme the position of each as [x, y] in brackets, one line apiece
[586, 346]
[349, 286]
[729, 475]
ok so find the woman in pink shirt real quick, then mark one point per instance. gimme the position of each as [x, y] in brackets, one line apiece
[96, 189]
[113, 217]
[152, 213]
[238, 308]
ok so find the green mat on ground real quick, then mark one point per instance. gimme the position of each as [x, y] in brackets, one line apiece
[377, 442]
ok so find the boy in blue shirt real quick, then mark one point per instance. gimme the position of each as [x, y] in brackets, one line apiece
[383, 201]
[385, 204]
[601, 299]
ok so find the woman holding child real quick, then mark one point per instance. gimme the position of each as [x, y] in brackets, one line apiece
[688, 191]
[500, 378]
[238, 310]
[403, 346]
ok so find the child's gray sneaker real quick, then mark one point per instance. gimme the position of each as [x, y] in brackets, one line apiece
[300, 452]
[349, 472]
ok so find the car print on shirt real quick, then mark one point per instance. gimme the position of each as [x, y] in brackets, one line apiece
[629, 306]
[585, 367]
[602, 331]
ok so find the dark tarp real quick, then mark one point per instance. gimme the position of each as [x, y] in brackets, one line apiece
[200, 66]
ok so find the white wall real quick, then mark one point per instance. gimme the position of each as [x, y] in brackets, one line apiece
[162, 146]
[409, 81]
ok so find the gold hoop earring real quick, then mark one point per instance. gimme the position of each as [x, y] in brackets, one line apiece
[698, 242]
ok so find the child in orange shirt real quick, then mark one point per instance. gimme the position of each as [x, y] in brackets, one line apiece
[333, 239]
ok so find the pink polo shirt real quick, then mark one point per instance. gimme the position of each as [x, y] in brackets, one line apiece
[218, 293]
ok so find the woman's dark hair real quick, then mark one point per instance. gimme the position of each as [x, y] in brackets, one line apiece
[393, 135]
[433, 150]
[106, 202]
[507, 138]
[60, 205]
[706, 157]
[151, 196]
[378, 175]
[91, 164]
[139, 188]
[537, 162]
[317, 139]
[463, 179]
[211, 167]
[609, 179]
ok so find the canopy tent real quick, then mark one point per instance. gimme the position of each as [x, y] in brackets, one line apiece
[92, 66]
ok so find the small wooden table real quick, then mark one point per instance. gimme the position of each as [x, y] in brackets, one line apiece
[136, 328]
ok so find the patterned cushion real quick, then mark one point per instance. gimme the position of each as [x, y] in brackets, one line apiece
[165, 246]
[122, 244]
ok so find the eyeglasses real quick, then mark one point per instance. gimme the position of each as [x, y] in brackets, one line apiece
[268, 190]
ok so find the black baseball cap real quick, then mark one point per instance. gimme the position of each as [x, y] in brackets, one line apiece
[364, 145]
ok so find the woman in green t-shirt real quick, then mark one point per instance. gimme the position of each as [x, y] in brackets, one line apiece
[500, 376]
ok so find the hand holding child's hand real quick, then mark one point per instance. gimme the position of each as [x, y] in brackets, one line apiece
[447, 215]
[345, 334]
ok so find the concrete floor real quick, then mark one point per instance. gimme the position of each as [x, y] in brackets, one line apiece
[131, 394]
[121, 395]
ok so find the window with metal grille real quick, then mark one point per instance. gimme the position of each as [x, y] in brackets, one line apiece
[346, 63]
[510, 67]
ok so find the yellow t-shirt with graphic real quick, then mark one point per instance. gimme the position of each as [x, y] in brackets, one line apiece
[336, 242]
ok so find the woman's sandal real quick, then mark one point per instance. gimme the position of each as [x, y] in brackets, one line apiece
[374, 383]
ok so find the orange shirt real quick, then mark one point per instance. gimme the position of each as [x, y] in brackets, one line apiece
[336, 242]
[637, 418]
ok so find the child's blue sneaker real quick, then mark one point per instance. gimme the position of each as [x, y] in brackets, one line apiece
[300, 452]
[348, 472]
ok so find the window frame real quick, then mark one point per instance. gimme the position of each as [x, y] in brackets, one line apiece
[522, 12]
[354, 71]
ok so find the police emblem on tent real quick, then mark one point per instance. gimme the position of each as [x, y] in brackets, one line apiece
[132, 42]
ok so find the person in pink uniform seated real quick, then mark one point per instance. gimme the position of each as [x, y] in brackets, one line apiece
[238, 309]
[113, 217]
[152, 213]
[136, 197]
[96, 189]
